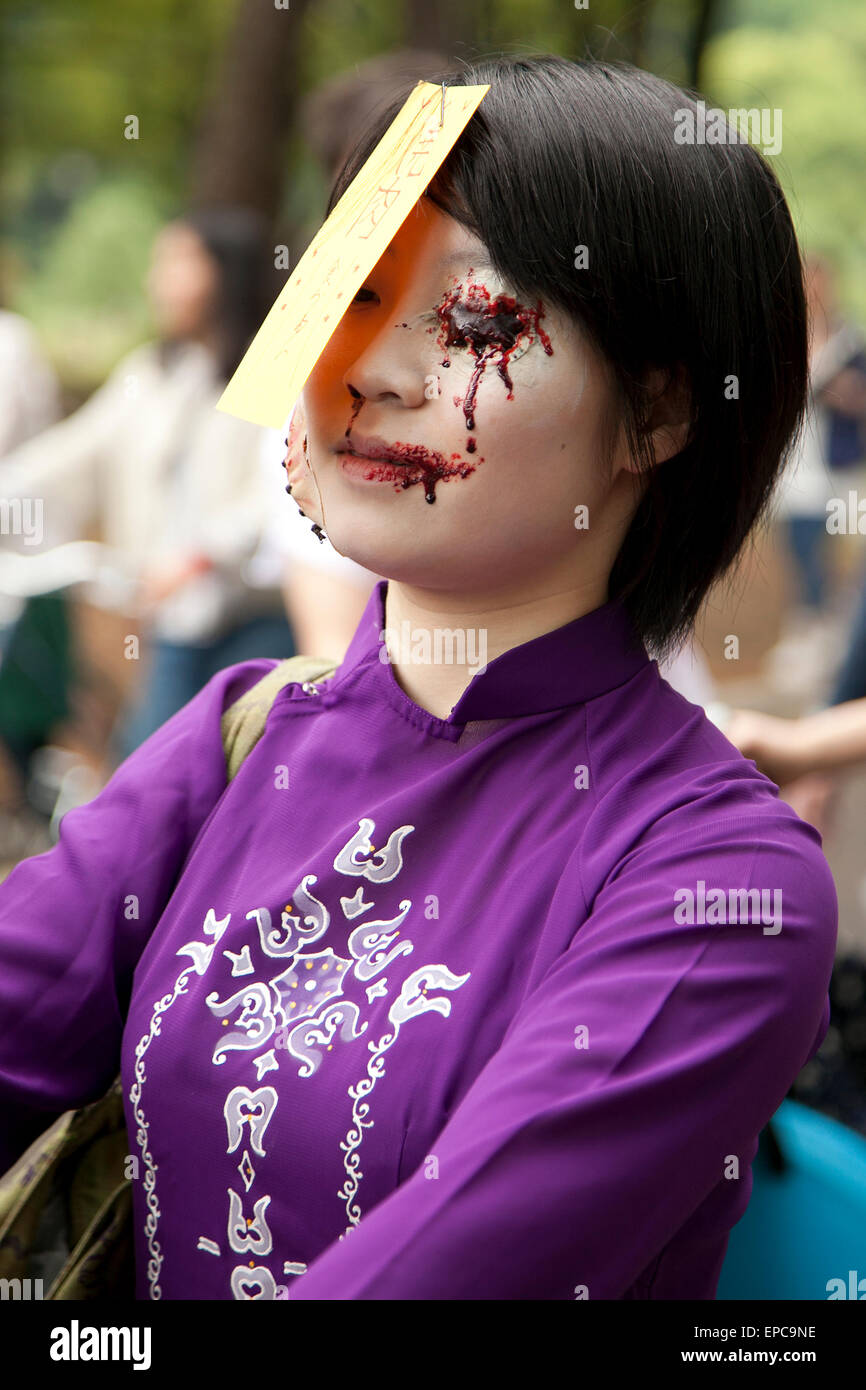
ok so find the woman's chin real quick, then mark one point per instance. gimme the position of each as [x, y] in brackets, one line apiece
[389, 556]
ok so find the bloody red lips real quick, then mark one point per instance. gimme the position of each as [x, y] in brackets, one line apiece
[420, 463]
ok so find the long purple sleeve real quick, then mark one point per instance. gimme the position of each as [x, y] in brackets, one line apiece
[74, 920]
[631, 1082]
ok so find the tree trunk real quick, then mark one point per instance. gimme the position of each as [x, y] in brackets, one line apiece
[239, 155]
[448, 26]
[705, 17]
[636, 33]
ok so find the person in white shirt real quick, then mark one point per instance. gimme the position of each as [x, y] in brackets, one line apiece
[29, 403]
[808, 484]
[29, 389]
[324, 592]
[173, 484]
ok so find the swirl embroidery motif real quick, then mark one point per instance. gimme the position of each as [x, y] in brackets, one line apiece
[301, 1011]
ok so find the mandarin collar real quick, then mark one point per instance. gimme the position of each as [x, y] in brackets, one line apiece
[585, 658]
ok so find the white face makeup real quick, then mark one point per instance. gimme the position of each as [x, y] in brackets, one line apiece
[438, 384]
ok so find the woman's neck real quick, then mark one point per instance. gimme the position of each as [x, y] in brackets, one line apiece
[438, 641]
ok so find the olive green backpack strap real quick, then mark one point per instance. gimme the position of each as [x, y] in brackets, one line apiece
[243, 723]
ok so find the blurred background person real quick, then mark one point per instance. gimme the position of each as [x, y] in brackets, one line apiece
[819, 749]
[34, 633]
[846, 406]
[29, 389]
[173, 483]
[324, 592]
[831, 443]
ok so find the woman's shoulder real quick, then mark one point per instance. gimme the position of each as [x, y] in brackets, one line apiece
[687, 833]
[665, 773]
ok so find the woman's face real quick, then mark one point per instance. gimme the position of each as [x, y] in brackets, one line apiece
[450, 390]
[182, 282]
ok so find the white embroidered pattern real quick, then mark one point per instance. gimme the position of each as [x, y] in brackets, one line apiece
[409, 1005]
[201, 955]
[304, 998]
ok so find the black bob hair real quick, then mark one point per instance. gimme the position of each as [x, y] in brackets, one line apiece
[693, 268]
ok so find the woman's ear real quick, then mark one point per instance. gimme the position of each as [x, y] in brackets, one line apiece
[670, 414]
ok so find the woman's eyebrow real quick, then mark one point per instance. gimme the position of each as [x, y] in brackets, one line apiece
[475, 260]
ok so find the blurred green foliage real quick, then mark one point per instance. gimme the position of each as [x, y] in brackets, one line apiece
[86, 295]
[81, 203]
[810, 63]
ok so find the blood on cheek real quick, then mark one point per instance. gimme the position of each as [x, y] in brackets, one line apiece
[492, 327]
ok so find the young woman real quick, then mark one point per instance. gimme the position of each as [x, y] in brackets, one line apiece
[482, 976]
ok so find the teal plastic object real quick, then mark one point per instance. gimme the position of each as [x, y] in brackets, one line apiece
[806, 1226]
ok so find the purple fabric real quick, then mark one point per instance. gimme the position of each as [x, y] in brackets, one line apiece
[413, 1009]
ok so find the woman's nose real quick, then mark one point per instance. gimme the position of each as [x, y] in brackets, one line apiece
[392, 365]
